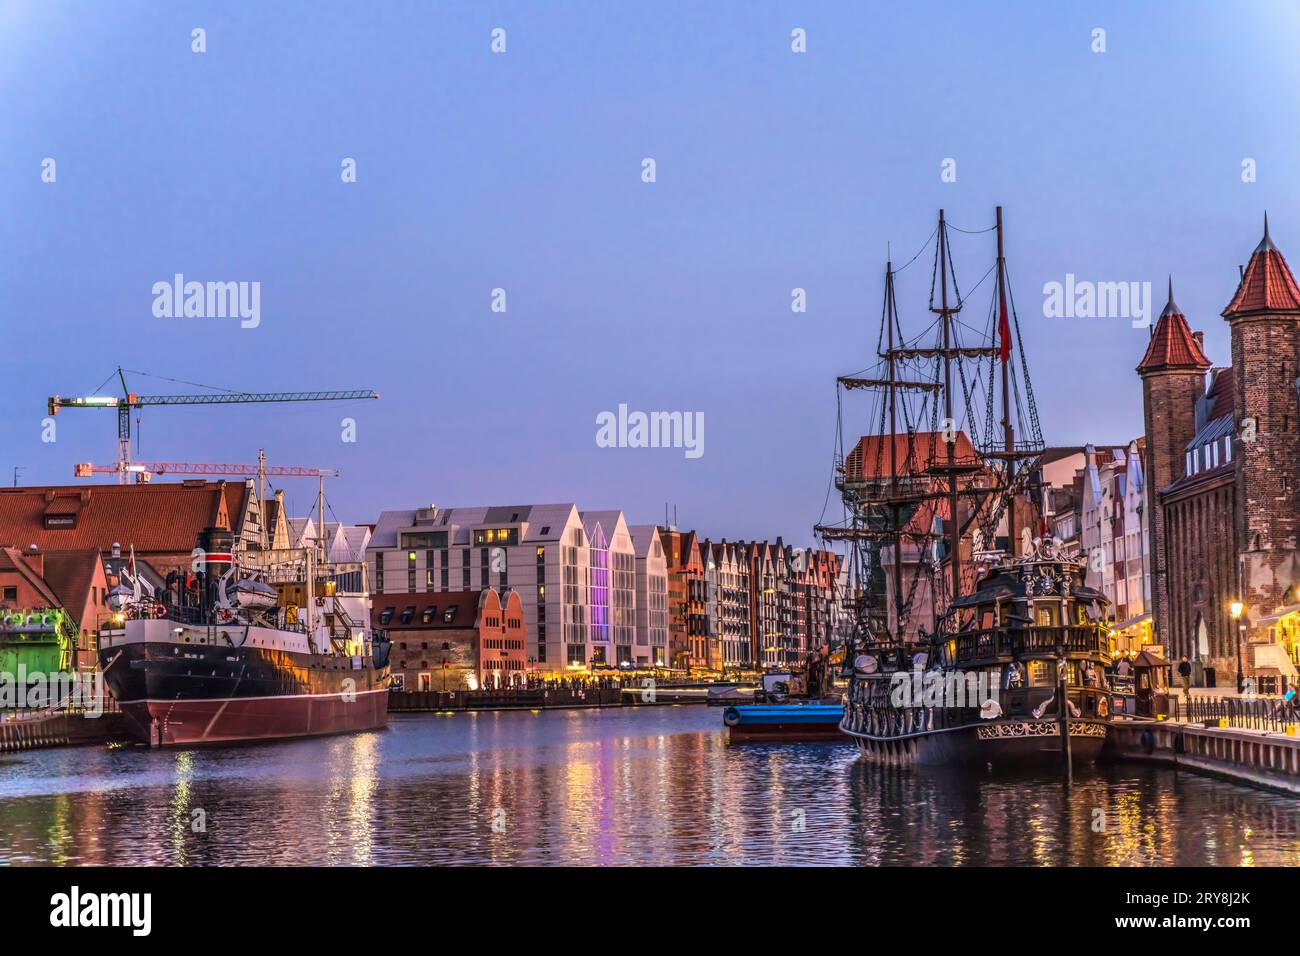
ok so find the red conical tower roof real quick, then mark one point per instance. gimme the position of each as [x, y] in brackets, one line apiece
[1172, 344]
[1267, 285]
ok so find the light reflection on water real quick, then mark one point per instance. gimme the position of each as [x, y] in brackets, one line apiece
[616, 787]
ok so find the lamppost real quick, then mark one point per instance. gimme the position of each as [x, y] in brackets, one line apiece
[1236, 608]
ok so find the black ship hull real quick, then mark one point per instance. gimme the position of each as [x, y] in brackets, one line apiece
[187, 694]
[1003, 744]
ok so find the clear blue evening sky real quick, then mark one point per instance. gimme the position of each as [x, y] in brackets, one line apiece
[522, 171]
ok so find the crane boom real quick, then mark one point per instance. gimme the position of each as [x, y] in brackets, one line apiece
[86, 469]
[130, 400]
[133, 400]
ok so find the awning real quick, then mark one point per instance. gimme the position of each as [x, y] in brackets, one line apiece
[1278, 614]
[1131, 621]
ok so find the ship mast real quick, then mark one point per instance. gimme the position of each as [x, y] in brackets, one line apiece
[1008, 432]
[945, 316]
[895, 517]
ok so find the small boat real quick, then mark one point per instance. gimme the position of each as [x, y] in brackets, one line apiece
[784, 722]
[724, 695]
[255, 594]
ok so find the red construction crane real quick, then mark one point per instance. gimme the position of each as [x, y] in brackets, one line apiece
[145, 470]
[130, 400]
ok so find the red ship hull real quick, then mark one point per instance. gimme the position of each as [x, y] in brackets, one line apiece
[245, 719]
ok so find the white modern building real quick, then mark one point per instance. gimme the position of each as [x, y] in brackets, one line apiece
[651, 643]
[611, 587]
[542, 551]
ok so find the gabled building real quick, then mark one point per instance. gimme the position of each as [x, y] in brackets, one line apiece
[687, 626]
[650, 647]
[71, 584]
[611, 587]
[454, 640]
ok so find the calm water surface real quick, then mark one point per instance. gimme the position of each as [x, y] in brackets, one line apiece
[649, 786]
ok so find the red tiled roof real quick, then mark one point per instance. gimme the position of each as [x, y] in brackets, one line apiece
[162, 517]
[70, 575]
[870, 457]
[1172, 344]
[11, 559]
[465, 617]
[1267, 285]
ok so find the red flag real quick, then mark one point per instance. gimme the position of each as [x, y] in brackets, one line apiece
[1004, 325]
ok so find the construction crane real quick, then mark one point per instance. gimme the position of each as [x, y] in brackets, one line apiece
[145, 470]
[130, 400]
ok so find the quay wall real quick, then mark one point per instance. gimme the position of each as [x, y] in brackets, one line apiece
[31, 732]
[537, 699]
[1269, 760]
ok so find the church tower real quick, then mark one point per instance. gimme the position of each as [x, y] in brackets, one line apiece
[1173, 378]
[1264, 316]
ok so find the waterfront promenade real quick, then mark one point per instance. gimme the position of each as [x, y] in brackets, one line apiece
[1248, 739]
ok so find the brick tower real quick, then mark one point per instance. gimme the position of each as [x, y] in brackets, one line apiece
[1173, 378]
[1264, 316]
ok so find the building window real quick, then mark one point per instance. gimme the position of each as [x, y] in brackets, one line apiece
[385, 616]
[429, 612]
[407, 614]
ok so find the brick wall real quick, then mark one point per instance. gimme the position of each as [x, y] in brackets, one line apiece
[1264, 351]
[1169, 400]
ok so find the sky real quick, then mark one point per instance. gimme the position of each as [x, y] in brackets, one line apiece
[522, 170]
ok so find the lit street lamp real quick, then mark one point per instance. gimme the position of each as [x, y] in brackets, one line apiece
[1236, 608]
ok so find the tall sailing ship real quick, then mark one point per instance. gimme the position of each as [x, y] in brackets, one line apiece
[258, 645]
[976, 640]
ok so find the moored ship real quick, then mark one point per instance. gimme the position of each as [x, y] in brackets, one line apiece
[261, 649]
[975, 641]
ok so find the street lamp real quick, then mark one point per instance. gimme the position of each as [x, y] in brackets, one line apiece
[1236, 608]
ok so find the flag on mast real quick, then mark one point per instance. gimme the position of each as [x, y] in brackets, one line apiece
[1004, 324]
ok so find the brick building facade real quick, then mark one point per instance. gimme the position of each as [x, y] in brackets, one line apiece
[1223, 462]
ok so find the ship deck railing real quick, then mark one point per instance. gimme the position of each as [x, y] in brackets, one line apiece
[998, 643]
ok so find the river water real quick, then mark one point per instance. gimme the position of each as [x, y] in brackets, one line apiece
[630, 786]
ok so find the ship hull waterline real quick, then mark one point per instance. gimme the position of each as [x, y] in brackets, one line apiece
[1001, 745]
[225, 696]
